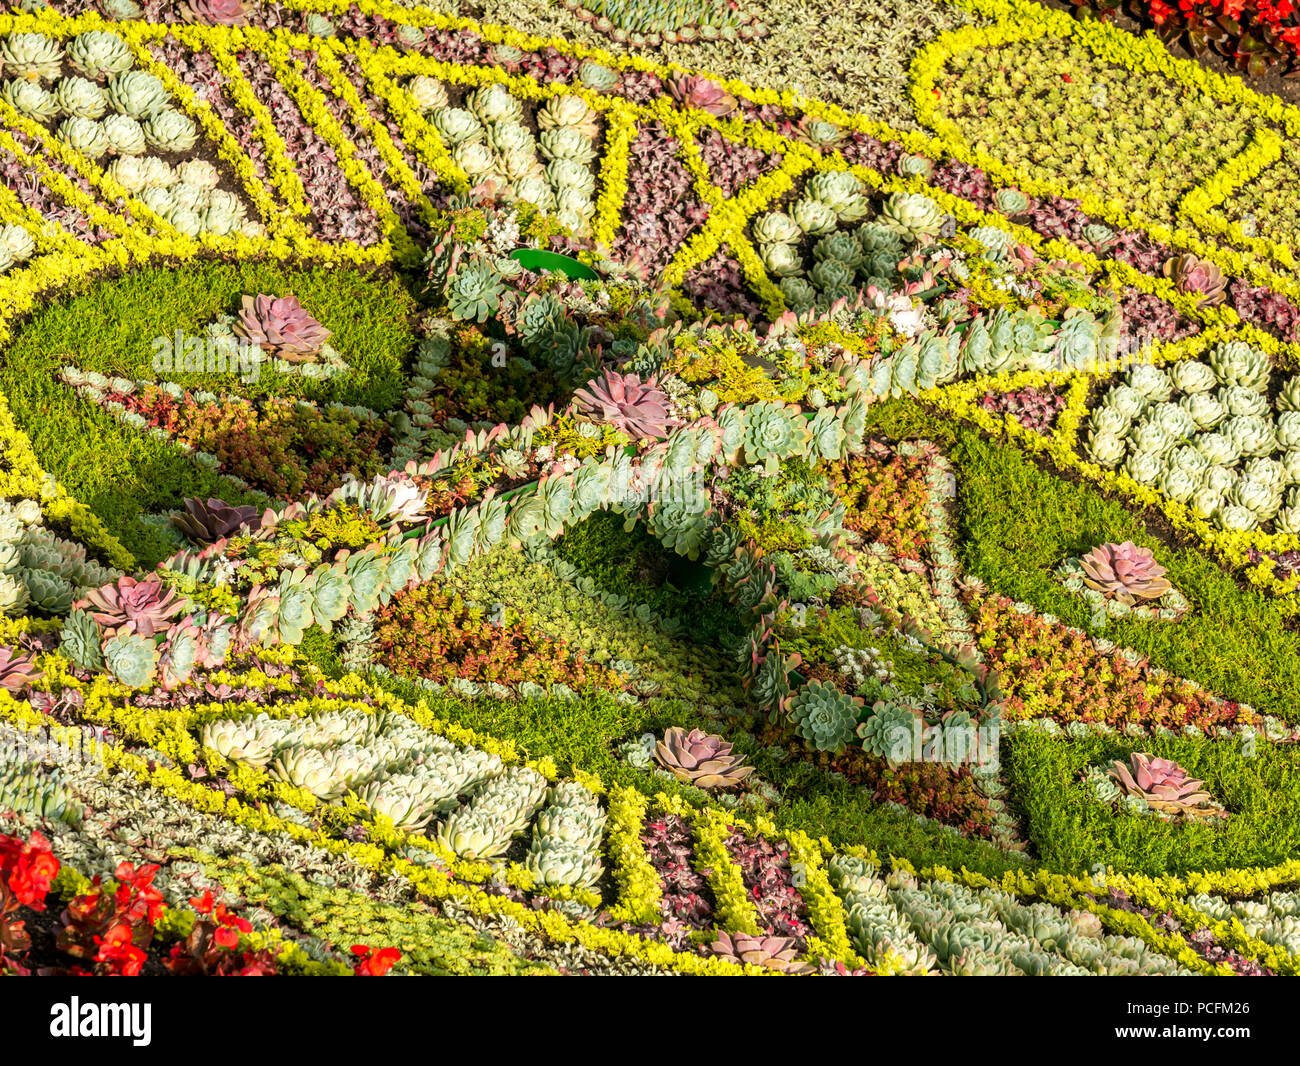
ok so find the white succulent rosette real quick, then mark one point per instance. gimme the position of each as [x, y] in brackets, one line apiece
[125, 135]
[428, 93]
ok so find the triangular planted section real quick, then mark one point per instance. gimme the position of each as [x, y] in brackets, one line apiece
[342, 203]
[662, 208]
[539, 144]
[115, 116]
[732, 164]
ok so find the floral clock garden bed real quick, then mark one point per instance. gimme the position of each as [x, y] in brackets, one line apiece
[522, 496]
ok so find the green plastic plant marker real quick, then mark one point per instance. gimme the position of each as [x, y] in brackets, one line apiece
[536, 260]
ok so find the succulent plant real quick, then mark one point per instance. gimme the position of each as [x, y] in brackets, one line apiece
[772, 432]
[125, 136]
[492, 103]
[776, 227]
[296, 594]
[565, 849]
[510, 139]
[1204, 408]
[131, 658]
[564, 864]
[282, 327]
[170, 131]
[813, 216]
[915, 166]
[1124, 572]
[199, 173]
[319, 25]
[1197, 276]
[1011, 202]
[841, 191]
[1217, 448]
[502, 808]
[912, 215]
[781, 259]
[824, 716]
[16, 243]
[1237, 363]
[204, 523]
[632, 406]
[1127, 401]
[17, 669]
[401, 798]
[475, 834]
[98, 54]
[571, 112]
[565, 175]
[1239, 401]
[1178, 484]
[1151, 437]
[799, 294]
[429, 94]
[779, 953]
[122, 10]
[386, 499]
[1164, 785]
[1261, 498]
[1287, 428]
[1151, 382]
[79, 641]
[30, 98]
[47, 592]
[32, 55]
[568, 144]
[1189, 376]
[81, 98]
[367, 581]
[137, 93]
[474, 291]
[818, 133]
[1251, 435]
[693, 90]
[475, 158]
[135, 174]
[888, 730]
[239, 740]
[29, 786]
[311, 769]
[330, 596]
[215, 12]
[128, 606]
[832, 275]
[1232, 516]
[700, 759]
[84, 135]
[225, 214]
[598, 76]
[456, 125]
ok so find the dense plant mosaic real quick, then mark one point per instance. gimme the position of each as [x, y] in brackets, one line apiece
[590, 490]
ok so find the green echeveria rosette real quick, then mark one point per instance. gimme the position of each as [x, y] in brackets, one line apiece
[888, 730]
[31, 55]
[823, 716]
[131, 658]
[474, 292]
[773, 432]
[137, 93]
